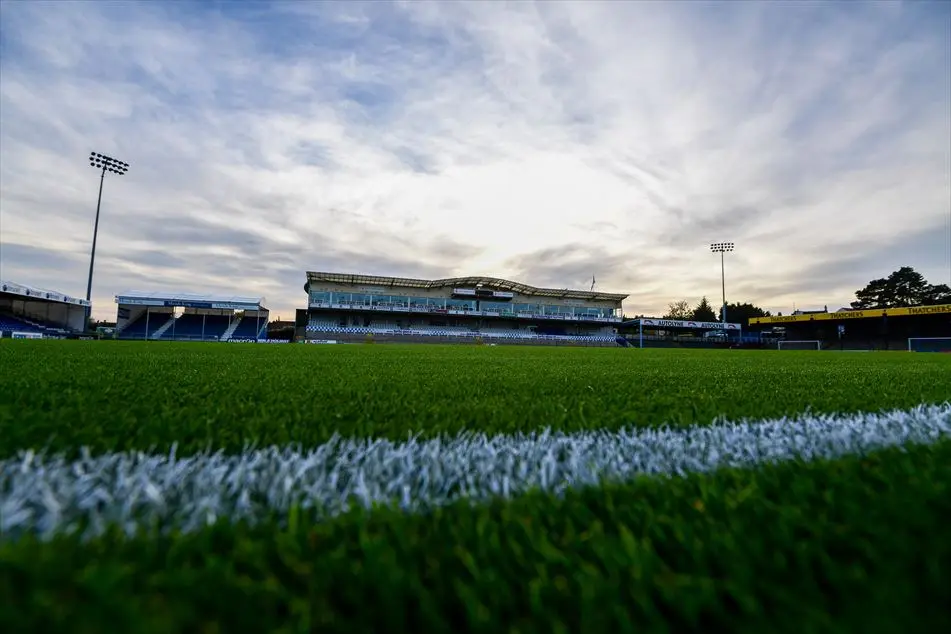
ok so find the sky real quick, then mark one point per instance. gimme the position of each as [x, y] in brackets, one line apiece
[547, 143]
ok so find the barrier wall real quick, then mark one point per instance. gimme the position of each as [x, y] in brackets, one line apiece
[25, 335]
[382, 338]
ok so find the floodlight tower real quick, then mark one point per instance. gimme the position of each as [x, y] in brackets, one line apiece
[722, 248]
[105, 164]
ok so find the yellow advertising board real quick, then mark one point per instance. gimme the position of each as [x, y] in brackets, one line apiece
[855, 314]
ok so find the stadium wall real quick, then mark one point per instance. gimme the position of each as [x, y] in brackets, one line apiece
[474, 340]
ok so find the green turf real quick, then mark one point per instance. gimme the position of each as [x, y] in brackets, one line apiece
[135, 395]
[857, 545]
[854, 545]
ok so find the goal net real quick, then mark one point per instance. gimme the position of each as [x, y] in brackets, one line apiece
[799, 345]
[929, 344]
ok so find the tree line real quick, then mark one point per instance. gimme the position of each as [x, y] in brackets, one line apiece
[904, 287]
[735, 313]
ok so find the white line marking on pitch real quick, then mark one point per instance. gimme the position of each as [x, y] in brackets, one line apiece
[49, 494]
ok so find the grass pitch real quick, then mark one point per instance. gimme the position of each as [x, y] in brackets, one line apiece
[112, 396]
[854, 544]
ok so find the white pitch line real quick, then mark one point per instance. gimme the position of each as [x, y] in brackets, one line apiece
[46, 495]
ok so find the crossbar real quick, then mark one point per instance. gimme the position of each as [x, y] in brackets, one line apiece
[910, 339]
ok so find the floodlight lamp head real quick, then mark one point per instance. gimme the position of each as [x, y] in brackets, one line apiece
[107, 163]
[721, 247]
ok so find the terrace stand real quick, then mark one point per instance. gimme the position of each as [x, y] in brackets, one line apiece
[200, 317]
[676, 324]
[43, 311]
[904, 328]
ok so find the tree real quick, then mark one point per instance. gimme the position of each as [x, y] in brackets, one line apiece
[874, 295]
[742, 313]
[938, 294]
[679, 311]
[904, 287]
[703, 312]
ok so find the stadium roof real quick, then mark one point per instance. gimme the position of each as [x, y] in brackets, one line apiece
[459, 282]
[188, 298]
[40, 294]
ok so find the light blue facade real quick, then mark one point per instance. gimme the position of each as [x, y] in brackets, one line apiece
[327, 299]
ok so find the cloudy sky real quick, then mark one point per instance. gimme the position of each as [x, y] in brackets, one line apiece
[540, 142]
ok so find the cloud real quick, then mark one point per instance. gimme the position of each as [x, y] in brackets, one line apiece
[841, 263]
[30, 257]
[544, 142]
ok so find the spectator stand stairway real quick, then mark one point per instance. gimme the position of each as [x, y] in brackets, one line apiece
[231, 328]
[249, 328]
[157, 334]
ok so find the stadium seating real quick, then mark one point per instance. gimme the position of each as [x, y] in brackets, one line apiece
[136, 330]
[249, 328]
[13, 324]
[504, 332]
[317, 322]
[428, 304]
[325, 326]
[189, 326]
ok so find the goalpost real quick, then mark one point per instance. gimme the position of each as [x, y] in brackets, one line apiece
[799, 345]
[929, 344]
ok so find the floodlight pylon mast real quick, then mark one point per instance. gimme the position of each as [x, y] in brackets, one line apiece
[722, 248]
[105, 164]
